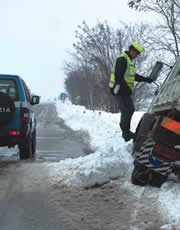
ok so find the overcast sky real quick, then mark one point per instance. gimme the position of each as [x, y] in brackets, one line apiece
[36, 35]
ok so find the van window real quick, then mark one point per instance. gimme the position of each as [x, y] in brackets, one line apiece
[9, 87]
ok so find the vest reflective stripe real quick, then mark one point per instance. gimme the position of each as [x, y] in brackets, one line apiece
[112, 77]
[129, 75]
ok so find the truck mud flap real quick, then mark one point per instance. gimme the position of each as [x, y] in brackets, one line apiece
[145, 176]
[144, 157]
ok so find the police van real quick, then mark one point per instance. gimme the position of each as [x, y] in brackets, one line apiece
[17, 118]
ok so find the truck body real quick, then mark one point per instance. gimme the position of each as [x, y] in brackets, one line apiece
[156, 148]
[168, 97]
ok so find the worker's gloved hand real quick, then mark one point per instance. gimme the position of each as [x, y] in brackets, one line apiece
[116, 89]
[149, 80]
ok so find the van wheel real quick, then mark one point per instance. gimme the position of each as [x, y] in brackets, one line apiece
[34, 145]
[25, 149]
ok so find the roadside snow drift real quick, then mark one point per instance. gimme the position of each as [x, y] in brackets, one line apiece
[111, 158]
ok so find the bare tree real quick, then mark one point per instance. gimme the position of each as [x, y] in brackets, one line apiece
[166, 35]
[137, 3]
[90, 64]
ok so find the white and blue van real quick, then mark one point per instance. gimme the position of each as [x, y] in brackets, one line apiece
[17, 119]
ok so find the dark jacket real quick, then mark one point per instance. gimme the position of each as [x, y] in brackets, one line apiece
[121, 65]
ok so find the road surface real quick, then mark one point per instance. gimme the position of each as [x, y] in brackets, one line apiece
[29, 201]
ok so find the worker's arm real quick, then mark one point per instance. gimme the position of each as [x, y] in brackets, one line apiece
[141, 78]
[121, 65]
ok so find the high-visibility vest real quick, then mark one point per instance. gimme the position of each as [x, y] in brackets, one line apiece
[129, 75]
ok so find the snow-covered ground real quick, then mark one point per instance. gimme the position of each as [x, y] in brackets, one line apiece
[110, 159]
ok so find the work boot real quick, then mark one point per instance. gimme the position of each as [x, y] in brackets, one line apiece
[126, 133]
[131, 134]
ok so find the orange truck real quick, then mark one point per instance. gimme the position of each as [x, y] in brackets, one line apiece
[156, 147]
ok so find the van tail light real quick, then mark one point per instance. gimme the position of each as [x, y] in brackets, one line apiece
[14, 133]
[24, 115]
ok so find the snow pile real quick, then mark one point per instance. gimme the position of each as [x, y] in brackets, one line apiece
[169, 204]
[111, 158]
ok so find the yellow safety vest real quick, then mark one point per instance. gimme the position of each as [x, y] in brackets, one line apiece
[129, 75]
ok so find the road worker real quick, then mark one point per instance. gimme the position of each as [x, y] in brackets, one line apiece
[121, 84]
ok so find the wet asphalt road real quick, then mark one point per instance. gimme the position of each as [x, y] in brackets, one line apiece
[55, 141]
[25, 191]
[30, 201]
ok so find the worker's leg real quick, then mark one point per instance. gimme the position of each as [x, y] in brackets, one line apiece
[126, 107]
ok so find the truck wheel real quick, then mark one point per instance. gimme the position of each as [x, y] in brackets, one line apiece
[140, 175]
[144, 126]
[25, 149]
[34, 144]
[145, 176]
[148, 170]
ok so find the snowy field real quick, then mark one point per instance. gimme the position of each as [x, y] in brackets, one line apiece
[110, 159]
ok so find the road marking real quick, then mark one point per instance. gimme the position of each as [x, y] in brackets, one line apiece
[55, 138]
[49, 158]
[8, 154]
[48, 151]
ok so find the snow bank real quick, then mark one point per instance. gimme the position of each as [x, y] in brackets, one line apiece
[111, 158]
[169, 204]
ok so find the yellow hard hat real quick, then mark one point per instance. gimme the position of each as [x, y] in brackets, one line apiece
[139, 48]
